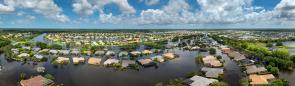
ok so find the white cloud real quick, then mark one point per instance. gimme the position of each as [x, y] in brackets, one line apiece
[83, 7]
[285, 10]
[150, 2]
[87, 7]
[6, 9]
[45, 7]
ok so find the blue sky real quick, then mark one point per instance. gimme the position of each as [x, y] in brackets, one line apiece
[147, 14]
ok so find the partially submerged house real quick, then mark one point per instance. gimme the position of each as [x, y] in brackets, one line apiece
[145, 62]
[225, 50]
[36, 81]
[53, 52]
[94, 61]
[62, 60]
[169, 55]
[77, 60]
[146, 52]
[135, 53]
[211, 61]
[199, 81]
[23, 55]
[64, 52]
[126, 63]
[111, 61]
[236, 55]
[38, 56]
[260, 79]
[251, 69]
[212, 72]
[100, 53]
[123, 53]
[158, 58]
[110, 53]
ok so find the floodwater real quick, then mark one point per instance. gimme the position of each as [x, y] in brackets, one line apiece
[89, 75]
[289, 75]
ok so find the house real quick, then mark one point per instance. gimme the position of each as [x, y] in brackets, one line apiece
[36, 81]
[236, 56]
[211, 61]
[110, 53]
[23, 55]
[135, 53]
[169, 55]
[145, 62]
[146, 52]
[200, 81]
[247, 62]
[77, 60]
[36, 49]
[195, 48]
[111, 61]
[26, 47]
[87, 53]
[123, 53]
[212, 72]
[38, 56]
[126, 63]
[251, 69]
[44, 50]
[260, 79]
[94, 61]
[100, 53]
[64, 52]
[158, 58]
[14, 50]
[62, 60]
[53, 51]
[225, 50]
[75, 52]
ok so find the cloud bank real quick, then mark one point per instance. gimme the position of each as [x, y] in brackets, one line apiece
[174, 12]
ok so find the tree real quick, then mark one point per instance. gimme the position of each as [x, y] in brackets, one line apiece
[176, 82]
[41, 45]
[49, 76]
[280, 82]
[269, 45]
[22, 76]
[212, 51]
[55, 46]
[191, 74]
[159, 84]
[281, 53]
[273, 70]
[218, 84]
[219, 57]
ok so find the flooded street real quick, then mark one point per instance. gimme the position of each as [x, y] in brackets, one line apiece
[89, 75]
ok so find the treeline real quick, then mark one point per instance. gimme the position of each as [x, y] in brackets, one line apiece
[256, 50]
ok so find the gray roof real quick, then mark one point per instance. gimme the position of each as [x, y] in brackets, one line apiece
[212, 72]
[254, 69]
[201, 81]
